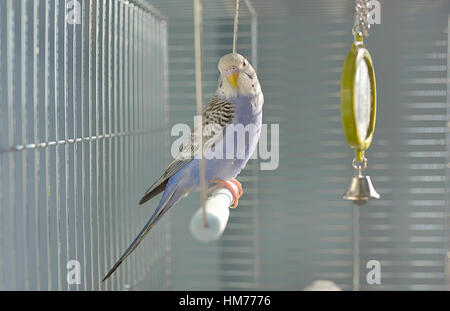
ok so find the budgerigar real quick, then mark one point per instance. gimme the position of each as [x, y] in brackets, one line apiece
[238, 101]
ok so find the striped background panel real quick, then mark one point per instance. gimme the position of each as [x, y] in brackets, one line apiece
[301, 229]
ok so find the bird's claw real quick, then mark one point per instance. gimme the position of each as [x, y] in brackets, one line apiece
[238, 185]
[227, 184]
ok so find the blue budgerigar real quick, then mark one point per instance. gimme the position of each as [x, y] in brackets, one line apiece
[236, 104]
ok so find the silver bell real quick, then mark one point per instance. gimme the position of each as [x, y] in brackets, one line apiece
[360, 189]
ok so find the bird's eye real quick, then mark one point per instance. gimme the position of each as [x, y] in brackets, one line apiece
[244, 64]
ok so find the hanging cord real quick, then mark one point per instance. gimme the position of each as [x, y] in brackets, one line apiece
[235, 30]
[199, 94]
[361, 26]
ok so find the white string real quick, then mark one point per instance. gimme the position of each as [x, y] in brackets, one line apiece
[199, 95]
[235, 31]
[199, 89]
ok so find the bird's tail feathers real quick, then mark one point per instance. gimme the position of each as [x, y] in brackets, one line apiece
[167, 201]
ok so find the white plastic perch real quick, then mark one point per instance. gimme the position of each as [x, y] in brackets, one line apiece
[217, 212]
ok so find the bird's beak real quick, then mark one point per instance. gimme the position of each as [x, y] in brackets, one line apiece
[232, 76]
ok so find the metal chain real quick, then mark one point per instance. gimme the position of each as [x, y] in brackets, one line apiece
[362, 25]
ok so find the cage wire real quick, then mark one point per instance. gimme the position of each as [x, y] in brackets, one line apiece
[83, 107]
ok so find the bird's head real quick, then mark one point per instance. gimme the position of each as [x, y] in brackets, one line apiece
[236, 76]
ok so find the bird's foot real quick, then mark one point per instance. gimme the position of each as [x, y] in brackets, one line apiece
[229, 186]
[238, 185]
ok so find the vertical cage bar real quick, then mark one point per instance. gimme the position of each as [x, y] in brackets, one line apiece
[140, 113]
[75, 133]
[136, 171]
[160, 232]
[104, 141]
[148, 90]
[57, 137]
[151, 80]
[47, 137]
[37, 222]
[155, 123]
[97, 133]
[356, 254]
[24, 122]
[10, 43]
[118, 114]
[91, 133]
[157, 65]
[66, 134]
[121, 138]
[116, 130]
[125, 105]
[135, 130]
[110, 141]
[255, 209]
[119, 215]
[198, 21]
[83, 135]
[146, 60]
[131, 137]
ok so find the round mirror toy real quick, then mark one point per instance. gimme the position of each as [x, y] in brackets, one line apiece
[358, 106]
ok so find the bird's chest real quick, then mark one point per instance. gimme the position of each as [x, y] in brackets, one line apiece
[244, 131]
[239, 141]
[247, 111]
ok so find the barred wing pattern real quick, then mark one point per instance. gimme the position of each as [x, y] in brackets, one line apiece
[215, 117]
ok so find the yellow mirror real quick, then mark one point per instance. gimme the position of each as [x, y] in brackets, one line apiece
[358, 99]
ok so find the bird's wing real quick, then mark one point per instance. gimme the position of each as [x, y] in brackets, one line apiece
[219, 113]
